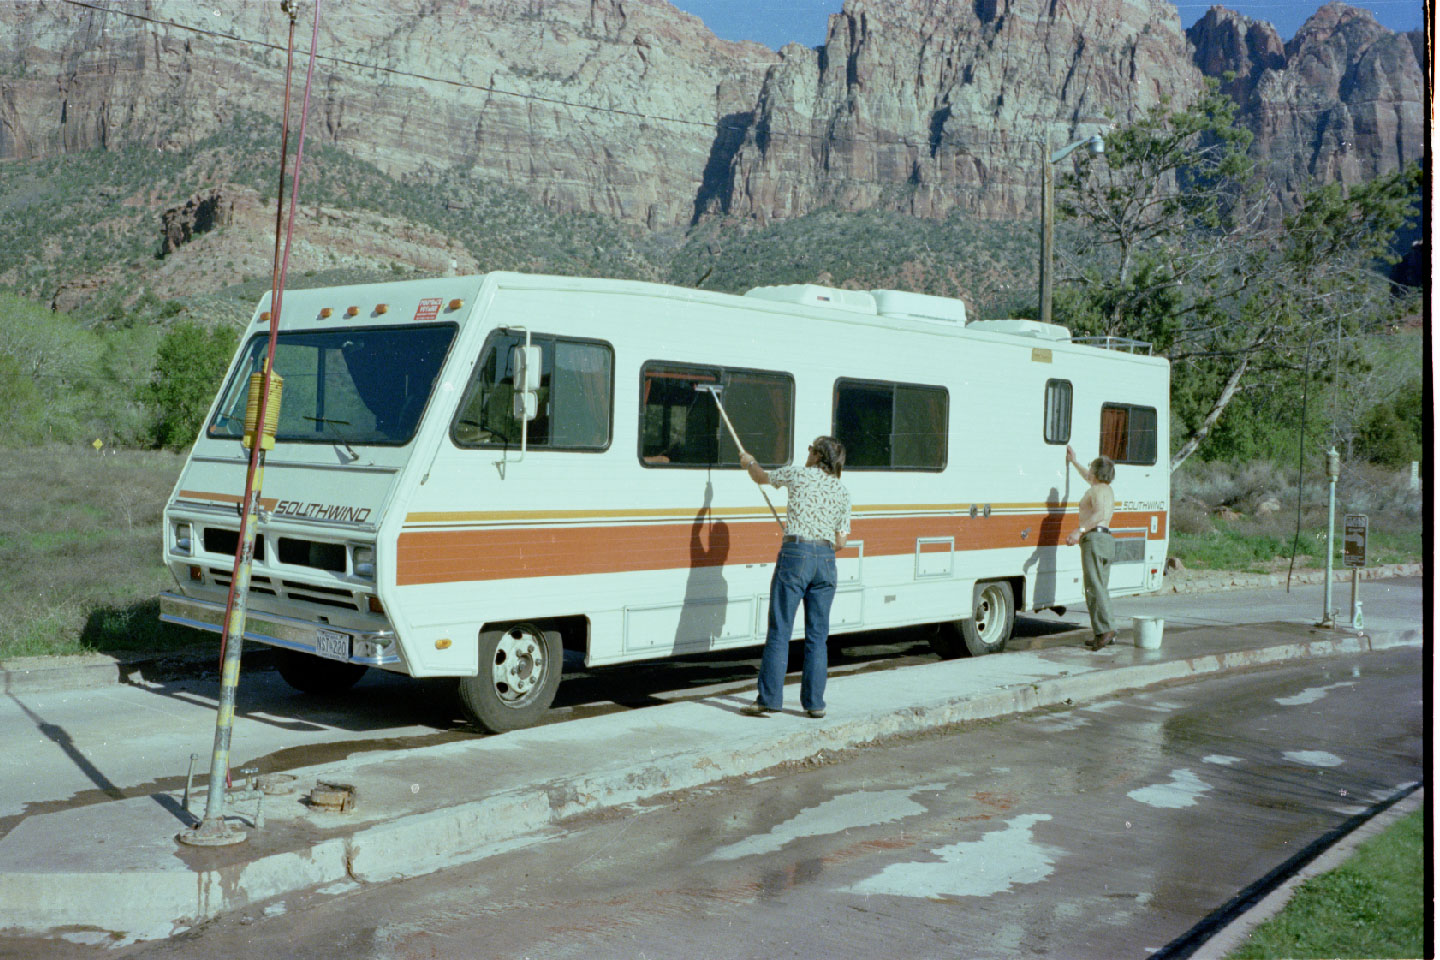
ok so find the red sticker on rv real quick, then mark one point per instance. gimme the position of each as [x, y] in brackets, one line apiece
[429, 308]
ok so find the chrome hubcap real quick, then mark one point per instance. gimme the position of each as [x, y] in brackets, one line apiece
[519, 664]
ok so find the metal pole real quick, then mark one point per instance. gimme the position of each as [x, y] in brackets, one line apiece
[260, 417]
[1332, 467]
[1355, 620]
[1047, 231]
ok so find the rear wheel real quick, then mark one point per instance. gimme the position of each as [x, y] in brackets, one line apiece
[519, 674]
[991, 620]
[316, 675]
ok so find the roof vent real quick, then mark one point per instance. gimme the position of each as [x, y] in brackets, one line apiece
[919, 306]
[1022, 328]
[814, 295]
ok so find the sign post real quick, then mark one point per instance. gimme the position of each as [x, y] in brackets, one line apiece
[1357, 530]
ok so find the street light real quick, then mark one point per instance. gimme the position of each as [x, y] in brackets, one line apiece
[1096, 145]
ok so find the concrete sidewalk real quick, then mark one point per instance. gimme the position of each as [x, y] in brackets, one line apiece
[116, 868]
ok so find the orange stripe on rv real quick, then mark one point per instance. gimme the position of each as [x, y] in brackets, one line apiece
[451, 556]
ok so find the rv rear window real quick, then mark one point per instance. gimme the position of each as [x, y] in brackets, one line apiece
[573, 404]
[346, 386]
[891, 426]
[680, 423]
[1127, 433]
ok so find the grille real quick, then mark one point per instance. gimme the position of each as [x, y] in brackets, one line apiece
[292, 590]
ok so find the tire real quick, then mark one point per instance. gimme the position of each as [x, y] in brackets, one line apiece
[316, 675]
[992, 618]
[519, 673]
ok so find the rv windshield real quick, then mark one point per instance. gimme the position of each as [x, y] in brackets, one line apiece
[359, 385]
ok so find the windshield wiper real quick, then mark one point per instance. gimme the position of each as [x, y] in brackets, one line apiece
[349, 450]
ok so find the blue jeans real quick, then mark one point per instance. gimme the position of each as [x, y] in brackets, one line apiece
[803, 571]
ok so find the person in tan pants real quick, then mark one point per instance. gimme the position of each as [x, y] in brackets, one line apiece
[1097, 545]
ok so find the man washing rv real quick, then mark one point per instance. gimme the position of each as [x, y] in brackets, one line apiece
[1097, 545]
[817, 523]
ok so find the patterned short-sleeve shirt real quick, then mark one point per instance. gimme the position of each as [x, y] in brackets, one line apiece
[818, 504]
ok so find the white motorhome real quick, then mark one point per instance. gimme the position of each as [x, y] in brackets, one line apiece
[473, 474]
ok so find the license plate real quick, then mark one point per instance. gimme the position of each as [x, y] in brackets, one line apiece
[332, 645]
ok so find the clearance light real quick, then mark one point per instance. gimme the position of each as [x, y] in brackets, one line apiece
[196, 574]
[382, 308]
[456, 304]
[442, 644]
[325, 313]
[352, 311]
[265, 317]
[376, 606]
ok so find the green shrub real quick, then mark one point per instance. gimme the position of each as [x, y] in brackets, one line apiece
[189, 366]
[1394, 433]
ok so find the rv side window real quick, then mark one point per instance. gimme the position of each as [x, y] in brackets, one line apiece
[891, 426]
[680, 424]
[1057, 411]
[1127, 433]
[574, 402]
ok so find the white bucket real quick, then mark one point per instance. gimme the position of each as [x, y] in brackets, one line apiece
[1148, 631]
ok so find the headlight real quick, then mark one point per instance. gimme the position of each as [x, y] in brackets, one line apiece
[184, 539]
[363, 562]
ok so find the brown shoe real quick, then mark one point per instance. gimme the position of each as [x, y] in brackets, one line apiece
[756, 710]
[1101, 641]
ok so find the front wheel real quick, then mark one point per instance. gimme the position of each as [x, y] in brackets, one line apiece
[316, 675]
[519, 673]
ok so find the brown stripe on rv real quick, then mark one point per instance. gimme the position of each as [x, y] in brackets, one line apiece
[452, 556]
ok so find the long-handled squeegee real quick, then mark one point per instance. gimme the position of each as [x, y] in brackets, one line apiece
[714, 390]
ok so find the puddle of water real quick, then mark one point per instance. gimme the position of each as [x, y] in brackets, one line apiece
[1071, 722]
[1313, 758]
[865, 808]
[1183, 790]
[89, 938]
[980, 868]
[343, 886]
[1219, 759]
[1310, 695]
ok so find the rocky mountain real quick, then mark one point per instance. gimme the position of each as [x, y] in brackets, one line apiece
[928, 106]
[1343, 100]
[634, 110]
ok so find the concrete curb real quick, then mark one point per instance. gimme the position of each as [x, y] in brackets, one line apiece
[141, 905]
[89, 670]
[1203, 583]
[86, 671]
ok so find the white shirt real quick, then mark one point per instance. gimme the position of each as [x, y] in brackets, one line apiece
[818, 504]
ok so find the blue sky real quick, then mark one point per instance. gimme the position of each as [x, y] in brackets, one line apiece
[778, 22]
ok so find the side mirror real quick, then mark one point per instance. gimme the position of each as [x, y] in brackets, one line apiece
[525, 362]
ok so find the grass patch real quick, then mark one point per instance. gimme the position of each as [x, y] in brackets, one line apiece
[1373, 905]
[80, 552]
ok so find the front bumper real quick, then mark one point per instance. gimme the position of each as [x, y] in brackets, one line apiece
[371, 648]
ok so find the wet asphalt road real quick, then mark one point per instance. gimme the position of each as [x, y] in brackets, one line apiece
[1107, 830]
